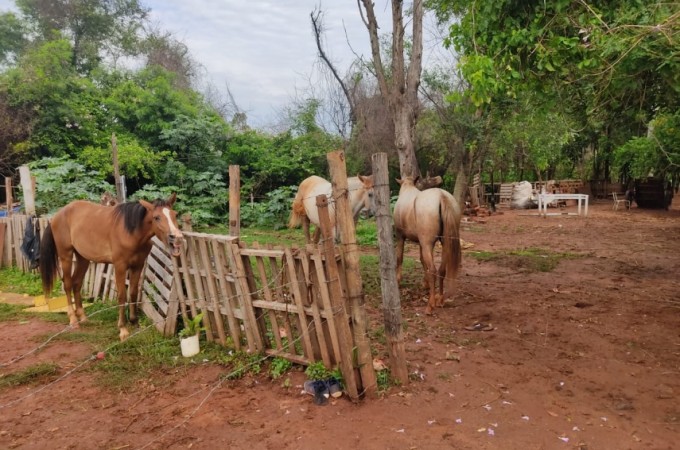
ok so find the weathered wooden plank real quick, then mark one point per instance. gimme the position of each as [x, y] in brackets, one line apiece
[266, 289]
[298, 300]
[249, 322]
[226, 291]
[212, 291]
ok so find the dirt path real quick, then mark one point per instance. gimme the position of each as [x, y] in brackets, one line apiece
[586, 356]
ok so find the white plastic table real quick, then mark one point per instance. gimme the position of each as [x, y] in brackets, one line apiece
[545, 199]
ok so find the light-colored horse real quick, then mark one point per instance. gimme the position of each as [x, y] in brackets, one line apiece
[304, 208]
[426, 217]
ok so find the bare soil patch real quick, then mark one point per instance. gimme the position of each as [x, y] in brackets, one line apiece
[586, 356]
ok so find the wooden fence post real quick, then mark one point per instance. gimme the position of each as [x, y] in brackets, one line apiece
[340, 315]
[8, 195]
[388, 266]
[116, 171]
[28, 188]
[234, 200]
[345, 222]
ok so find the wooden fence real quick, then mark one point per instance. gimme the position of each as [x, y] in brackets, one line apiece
[274, 300]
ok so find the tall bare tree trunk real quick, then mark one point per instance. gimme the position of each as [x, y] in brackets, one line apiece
[400, 89]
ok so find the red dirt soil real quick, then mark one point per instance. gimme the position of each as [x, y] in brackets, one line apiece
[586, 356]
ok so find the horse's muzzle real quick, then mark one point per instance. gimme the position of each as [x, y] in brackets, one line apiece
[175, 244]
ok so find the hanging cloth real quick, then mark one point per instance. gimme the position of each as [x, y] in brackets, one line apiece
[31, 245]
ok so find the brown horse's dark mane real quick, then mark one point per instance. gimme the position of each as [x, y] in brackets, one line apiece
[133, 213]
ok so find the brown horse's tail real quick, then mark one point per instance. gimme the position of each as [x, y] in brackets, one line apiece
[297, 212]
[48, 261]
[451, 249]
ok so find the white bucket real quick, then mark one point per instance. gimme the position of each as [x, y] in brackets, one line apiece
[189, 346]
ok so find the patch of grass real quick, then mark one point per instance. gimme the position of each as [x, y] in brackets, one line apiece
[370, 273]
[284, 236]
[33, 374]
[9, 313]
[367, 233]
[529, 260]
[278, 367]
[13, 279]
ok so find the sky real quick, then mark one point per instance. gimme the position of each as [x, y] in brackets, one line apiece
[264, 50]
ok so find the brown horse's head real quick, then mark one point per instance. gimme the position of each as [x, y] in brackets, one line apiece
[164, 223]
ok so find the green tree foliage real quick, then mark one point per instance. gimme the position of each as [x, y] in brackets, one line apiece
[61, 180]
[608, 64]
[12, 37]
[93, 27]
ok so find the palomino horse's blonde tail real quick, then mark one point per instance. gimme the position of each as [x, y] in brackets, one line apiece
[297, 212]
[451, 249]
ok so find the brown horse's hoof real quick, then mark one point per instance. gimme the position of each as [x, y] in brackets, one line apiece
[428, 310]
[124, 334]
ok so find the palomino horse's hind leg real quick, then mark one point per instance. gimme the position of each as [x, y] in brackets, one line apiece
[135, 275]
[121, 272]
[66, 268]
[400, 256]
[82, 265]
[430, 273]
[305, 228]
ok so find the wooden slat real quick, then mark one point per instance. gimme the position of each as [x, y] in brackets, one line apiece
[314, 306]
[212, 292]
[326, 301]
[226, 290]
[192, 251]
[298, 299]
[255, 344]
[266, 289]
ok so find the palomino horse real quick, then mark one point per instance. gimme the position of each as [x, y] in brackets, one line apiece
[119, 235]
[427, 217]
[304, 206]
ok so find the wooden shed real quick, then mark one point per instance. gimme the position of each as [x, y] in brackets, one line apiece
[651, 193]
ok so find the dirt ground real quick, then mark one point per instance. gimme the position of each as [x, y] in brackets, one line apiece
[586, 356]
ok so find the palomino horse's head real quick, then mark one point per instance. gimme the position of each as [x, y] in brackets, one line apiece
[164, 223]
[365, 194]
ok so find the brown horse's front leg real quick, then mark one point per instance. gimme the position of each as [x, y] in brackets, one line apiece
[66, 269]
[121, 272]
[135, 275]
[82, 265]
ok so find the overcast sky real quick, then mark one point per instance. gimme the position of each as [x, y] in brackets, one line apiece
[263, 50]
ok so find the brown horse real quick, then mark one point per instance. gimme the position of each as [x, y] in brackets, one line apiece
[304, 206]
[119, 235]
[426, 217]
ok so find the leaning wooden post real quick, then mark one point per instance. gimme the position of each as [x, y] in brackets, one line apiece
[116, 169]
[8, 195]
[28, 188]
[234, 200]
[340, 314]
[388, 270]
[345, 222]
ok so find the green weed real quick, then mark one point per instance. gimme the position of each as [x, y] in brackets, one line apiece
[33, 374]
[529, 260]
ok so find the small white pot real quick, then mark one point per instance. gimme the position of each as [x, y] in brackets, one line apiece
[189, 346]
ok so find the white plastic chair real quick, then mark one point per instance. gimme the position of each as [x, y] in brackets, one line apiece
[618, 201]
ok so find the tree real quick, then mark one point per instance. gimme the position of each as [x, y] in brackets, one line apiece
[12, 37]
[92, 26]
[605, 63]
[399, 84]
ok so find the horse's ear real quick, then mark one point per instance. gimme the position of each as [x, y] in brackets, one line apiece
[361, 177]
[147, 205]
[173, 197]
[399, 180]
[415, 179]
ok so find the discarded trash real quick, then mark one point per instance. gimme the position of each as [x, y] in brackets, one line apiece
[525, 417]
[487, 407]
[430, 422]
[563, 438]
[400, 430]
[459, 420]
[490, 432]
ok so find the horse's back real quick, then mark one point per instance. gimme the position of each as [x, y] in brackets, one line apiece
[417, 214]
[86, 228]
[309, 189]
